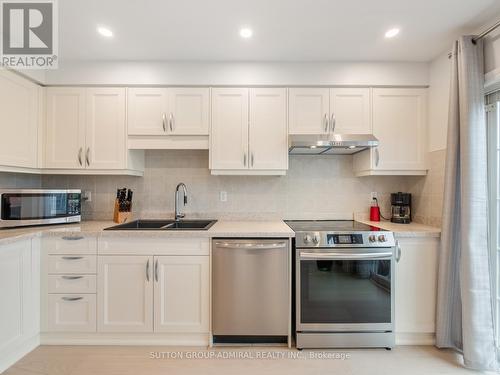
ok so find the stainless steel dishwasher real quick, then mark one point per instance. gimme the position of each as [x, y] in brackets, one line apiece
[251, 290]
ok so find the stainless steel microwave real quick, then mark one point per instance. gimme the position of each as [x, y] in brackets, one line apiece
[25, 207]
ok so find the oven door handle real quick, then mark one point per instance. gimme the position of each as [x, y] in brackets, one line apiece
[344, 256]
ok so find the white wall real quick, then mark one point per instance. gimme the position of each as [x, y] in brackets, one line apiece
[439, 91]
[277, 73]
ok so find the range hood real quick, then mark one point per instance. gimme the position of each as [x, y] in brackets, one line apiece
[331, 144]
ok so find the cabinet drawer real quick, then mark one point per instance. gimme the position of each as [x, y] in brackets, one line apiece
[72, 312]
[72, 264]
[70, 244]
[72, 284]
[140, 246]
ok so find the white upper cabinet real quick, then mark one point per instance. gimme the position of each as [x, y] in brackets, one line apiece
[229, 136]
[309, 110]
[65, 129]
[86, 131]
[399, 123]
[188, 111]
[147, 111]
[268, 140]
[249, 131]
[350, 111]
[105, 137]
[181, 294]
[168, 111]
[19, 121]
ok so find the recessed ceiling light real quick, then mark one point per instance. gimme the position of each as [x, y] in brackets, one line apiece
[391, 33]
[246, 33]
[104, 31]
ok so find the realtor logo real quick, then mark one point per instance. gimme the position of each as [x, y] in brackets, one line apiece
[29, 34]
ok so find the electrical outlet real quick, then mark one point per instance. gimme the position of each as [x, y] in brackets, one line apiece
[373, 195]
[223, 196]
[87, 196]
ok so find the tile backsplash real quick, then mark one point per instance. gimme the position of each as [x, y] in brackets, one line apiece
[314, 187]
[20, 181]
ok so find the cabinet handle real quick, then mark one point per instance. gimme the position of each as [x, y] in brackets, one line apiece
[398, 251]
[171, 122]
[333, 122]
[71, 299]
[87, 156]
[80, 156]
[72, 258]
[251, 158]
[326, 123]
[156, 270]
[147, 271]
[68, 238]
[71, 277]
[164, 122]
[377, 157]
[244, 159]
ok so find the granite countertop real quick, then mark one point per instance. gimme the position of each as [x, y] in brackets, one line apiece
[223, 228]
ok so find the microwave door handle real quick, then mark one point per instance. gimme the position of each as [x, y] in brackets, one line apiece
[344, 256]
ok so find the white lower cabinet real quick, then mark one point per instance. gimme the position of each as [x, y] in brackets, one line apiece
[125, 293]
[72, 313]
[416, 285]
[181, 294]
[19, 293]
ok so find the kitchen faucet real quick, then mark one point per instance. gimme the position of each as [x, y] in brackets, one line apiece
[179, 215]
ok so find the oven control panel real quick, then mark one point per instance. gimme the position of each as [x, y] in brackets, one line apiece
[343, 239]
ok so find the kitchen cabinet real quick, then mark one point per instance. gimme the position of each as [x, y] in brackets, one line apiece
[416, 288]
[85, 132]
[19, 293]
[336, 110]
[20, 121]
[399, 123]
[168, 118]
[249, 131]
[125, 294]
[181, 294]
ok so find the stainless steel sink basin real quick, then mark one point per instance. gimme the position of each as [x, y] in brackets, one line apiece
[164, 225]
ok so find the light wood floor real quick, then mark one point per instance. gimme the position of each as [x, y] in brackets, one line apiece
[125, 360]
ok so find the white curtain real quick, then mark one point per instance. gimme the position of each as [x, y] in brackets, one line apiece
[464, 306]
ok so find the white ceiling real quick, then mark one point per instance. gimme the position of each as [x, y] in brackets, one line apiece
[284, 30]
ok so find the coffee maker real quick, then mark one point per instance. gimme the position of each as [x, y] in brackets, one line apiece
[401, 208]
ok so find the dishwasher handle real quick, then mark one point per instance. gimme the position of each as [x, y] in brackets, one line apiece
[251, 245]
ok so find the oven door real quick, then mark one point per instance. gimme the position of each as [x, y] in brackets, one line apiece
[345, 290]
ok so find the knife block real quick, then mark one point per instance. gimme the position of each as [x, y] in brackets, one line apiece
[120, 217]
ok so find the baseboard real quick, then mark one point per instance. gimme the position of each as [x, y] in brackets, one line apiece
[415, 338]
[15, 353]
[127, 339]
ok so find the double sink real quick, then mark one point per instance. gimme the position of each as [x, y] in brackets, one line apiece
[165, 225]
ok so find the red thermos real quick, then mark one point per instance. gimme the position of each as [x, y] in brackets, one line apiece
[374, 211]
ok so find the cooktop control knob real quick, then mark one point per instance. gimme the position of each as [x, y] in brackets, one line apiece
[307, 238]
[381, 238]
[316, 239]
[372, 238]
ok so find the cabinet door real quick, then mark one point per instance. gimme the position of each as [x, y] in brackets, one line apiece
[65, 133]
[71, 312]
[15, 293]
[416, 285]
[125, 294]
[19, 119]
[399, 119]
[147, 111]
[181, 294]
[229, 135]
[188, 111]
[268, 135]
[105, 139]
[350, 111]
[309, 110]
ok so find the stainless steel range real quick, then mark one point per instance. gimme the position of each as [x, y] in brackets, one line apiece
[344, 284]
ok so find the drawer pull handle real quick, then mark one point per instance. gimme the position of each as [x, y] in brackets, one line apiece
[71, 299]
[72, 258]
[72, 277]
[68, 238]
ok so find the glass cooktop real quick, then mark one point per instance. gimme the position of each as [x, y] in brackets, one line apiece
[328, 226]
